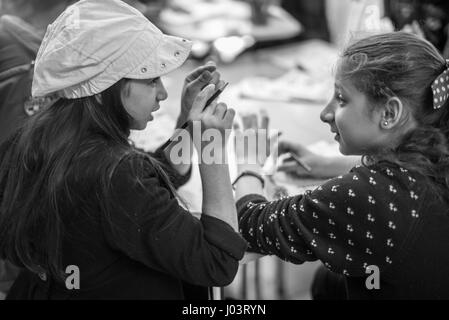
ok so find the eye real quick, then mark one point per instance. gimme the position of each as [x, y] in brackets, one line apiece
[339, 97]
[152, 82]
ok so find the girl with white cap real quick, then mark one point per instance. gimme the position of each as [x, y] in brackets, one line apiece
[86, 215]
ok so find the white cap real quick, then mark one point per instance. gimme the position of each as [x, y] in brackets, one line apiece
[95, 43]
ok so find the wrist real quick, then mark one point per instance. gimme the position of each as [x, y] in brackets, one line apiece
[208, 156]
[182, 118]
[248, 174]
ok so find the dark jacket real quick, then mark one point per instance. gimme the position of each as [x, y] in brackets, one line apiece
[18, 48]
[382, 216]
[144, 249]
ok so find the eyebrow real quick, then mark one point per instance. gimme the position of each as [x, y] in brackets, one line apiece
[341, 87]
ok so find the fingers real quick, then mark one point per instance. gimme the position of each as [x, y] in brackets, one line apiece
[220, 84]
[202, 80]
[286, 146]
[273, 142]
[200, 100]
[289, 167]
[215, 78]
[223, 113]
[209, 67]
[218, 116]
[229, 117]
[220, 110]
[210, 110]
[205, 79]
[249, 121]
[265, 119]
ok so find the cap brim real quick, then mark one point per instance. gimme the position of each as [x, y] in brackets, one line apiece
[169, 55]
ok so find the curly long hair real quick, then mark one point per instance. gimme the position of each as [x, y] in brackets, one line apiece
[403, 65]
[37, 167]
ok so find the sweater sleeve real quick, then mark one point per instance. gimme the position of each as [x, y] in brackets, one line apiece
[147, 224]
[175, 177]
[351, 222]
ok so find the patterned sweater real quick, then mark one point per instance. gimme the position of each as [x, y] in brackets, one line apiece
[381, 216]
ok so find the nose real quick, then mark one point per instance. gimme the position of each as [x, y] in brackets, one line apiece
[162, 92]
[327, 115]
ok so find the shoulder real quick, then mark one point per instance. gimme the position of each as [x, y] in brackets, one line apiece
[139, 172]
[383, 178]
[381, 199]
[136, 164]
[372, 211]
[103, 164]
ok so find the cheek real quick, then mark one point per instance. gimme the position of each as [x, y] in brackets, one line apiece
[341, 119]
[349, 127]
[137, 106]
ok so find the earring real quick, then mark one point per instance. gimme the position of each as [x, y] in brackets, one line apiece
[386, 123]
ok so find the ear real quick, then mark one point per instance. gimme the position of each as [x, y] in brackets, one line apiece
[391, 114]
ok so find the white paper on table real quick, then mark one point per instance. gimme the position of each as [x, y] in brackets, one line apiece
[295, 85]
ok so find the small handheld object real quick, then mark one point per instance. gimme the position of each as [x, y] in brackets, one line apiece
[300, 162]
[186, 124]
[215, 95]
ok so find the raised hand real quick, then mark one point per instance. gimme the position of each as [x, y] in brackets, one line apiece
[256, 130]
[321, 167]
[196, 81]
[215, 116]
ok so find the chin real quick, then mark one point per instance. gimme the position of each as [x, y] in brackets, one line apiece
[345, 151]
[139, 126]
[350, 152]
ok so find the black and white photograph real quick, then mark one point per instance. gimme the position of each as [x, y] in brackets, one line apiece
[224, 154]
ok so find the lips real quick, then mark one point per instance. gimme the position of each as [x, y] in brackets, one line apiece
[337, 135]
[151, 113]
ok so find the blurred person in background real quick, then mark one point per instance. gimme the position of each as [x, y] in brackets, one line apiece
[149, 8]
[22, 26]
[428, 18]
[311, 14]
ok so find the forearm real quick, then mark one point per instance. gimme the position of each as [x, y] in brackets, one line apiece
[218, 200]
[179, 152]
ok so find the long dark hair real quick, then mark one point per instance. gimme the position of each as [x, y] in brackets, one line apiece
[405, 66]
[35, 169]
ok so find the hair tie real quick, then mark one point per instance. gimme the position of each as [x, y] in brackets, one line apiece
[440, 88]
